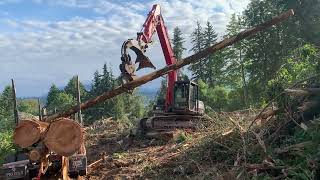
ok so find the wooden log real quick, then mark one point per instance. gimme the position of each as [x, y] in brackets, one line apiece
[179, 64]
[165, 135]
[262, 167]
[28, 132]
[295, 147]
[15, 107]
[268, 113]
[64, 137]
[309, 106]
[303, 92]
[38, 152]
[64, 168]
[79, 102]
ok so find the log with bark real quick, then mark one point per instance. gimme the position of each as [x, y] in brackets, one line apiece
[179, 64]
[38, 152]
[28, 132]
[64, 137]
[268, 113]
[303, 92]
[295, 147]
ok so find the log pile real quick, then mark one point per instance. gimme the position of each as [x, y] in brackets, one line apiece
[62, 136]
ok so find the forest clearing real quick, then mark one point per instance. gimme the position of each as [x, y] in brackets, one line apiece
[243, 105]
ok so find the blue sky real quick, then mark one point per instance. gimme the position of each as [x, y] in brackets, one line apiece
[48, 41]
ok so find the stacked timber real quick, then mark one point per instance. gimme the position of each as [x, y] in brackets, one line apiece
[62, 136]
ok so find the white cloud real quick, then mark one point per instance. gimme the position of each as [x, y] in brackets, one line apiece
[9, 1]
[40, 53]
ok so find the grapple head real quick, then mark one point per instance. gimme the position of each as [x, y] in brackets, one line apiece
[127, 67]
[143, 60]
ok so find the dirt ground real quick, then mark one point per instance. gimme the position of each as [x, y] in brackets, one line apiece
[123, 156]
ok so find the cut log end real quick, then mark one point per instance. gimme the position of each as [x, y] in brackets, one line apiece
[28, 132]
[64, 137]
[38, 152]
[34, 155]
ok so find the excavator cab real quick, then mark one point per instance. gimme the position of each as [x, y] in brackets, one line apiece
[186, 98]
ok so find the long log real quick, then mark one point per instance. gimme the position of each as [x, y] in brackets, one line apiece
[303, 92]
[28, 132]
[270, 112]
[298, 146]
[309, 106]
[191, 59]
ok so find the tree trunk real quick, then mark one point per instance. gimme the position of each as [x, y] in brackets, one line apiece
[303, 92]
[28, 132]
[269, 112]
[64, 137]
[38, 152]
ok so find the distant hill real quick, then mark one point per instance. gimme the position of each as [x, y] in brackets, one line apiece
[148, 93]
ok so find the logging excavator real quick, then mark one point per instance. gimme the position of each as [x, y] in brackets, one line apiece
[181, 107]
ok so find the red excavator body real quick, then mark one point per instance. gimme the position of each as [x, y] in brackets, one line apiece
[181, 106]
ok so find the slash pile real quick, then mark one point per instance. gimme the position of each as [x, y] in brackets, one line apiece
[281, 142]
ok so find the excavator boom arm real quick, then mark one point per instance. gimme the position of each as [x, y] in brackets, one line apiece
[154, 23]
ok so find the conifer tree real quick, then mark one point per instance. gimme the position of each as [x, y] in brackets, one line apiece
[235, 58]
[71, 88]
[213, 64]
[197, 45]
[177, 43]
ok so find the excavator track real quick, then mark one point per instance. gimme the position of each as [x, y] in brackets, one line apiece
[170, 122]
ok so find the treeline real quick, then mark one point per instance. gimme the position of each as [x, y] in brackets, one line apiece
[251, 72]
[29, 106]
[122, 107]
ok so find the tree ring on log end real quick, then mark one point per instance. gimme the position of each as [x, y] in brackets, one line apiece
[27, 132]
[64, 137]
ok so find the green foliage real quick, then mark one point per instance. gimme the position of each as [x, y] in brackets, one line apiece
[124, 106]
[61, 102]
[254, 70]
[58, 100]
[6, 102]
[299, 160]
[6, 145]
[219, 98]
[71, 88]
[28, 106]
[119, 155]
[211, 68]
[197, 45]
[267, 53]
[302, 62]
[214, 97]
[6, 122]
[178, 49]
[52, 94]
[182, 137]
[177, 43]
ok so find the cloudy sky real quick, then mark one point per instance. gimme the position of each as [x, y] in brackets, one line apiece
[48, 41]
